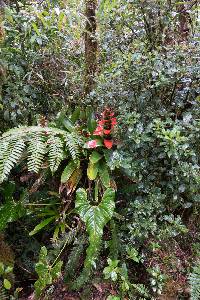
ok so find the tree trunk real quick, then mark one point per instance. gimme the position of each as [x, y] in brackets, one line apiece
[2, 34]
[90, 45]
[2, 5]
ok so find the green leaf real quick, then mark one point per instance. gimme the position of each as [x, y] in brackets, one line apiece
[95, 218]
[76, 114]
[60, 20]
[92, 170]
[7, 284]
[41, 225]
[68, 124]
[1, 268]
[56, 270]
[9, 269]
[104, 174]
[43, 254]
[111, 297]
[68, 171]
[95, 157]
[10, 212]
[35, 28]
[91, 122]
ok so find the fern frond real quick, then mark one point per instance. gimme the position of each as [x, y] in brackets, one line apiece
[114, 243]
[10, 153]
[55, 149]
[3, 294]
[194, 280]
[24, 131]
[36, 151]
[41, 142]
[73, 142]
[74, 259]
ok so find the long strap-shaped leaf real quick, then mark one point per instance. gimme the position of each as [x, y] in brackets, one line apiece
[95, 218]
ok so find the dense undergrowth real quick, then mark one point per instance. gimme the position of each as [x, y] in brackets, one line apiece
[99, 191]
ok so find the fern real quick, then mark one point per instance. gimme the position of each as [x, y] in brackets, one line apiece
[3, 294]
[10, 153]
[40, 142]
[74, 258]
[194, 280]
[55, 147]
[73, 143]
[36, 152]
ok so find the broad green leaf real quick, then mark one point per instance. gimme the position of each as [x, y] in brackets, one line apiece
[95, 218]
[95, 157]
[76, 114]
[68, 124]
[73, 181]
[92, 170]
[91, 122]
[104, 174]
[10, 212]
[7, 284]
[41, 225]
[68, 171]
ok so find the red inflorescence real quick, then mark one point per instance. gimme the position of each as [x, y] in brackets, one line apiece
[105, 127]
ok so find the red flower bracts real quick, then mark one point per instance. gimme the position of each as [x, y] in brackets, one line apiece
[105, 127]
[108, 143]
[98, 130]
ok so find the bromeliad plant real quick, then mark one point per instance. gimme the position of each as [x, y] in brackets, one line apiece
[78, 147]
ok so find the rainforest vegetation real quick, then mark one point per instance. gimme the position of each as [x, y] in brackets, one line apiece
[99, 149]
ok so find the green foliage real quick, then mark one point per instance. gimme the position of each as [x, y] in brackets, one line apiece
[42, 58]
[194, 280]
[47, 273]
[11, 210]
[157, 279]
[74, 259]
[112, 269]
[95, 218]
[56, 153]
[41, 225]
[148, 74]
[68, 171]
[10, 153]
[36, 139]
[4, 273]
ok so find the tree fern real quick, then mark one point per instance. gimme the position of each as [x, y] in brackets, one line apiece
[73, 143]
[36, 151]
[41, 143]
[10, 152]
[55, 147]
[194, 280]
